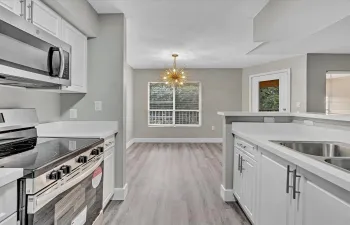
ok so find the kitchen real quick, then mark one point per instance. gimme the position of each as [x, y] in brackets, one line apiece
[88, 132]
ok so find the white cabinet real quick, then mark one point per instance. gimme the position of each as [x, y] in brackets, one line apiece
[320, 203]
[244, 181]
[11, 220]
[43, 17]
[108, 179]
[78, 42]
[15, 6]
[249, 186]
[275, 203]
[8, 200]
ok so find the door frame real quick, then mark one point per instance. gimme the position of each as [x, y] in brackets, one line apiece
[287, 87]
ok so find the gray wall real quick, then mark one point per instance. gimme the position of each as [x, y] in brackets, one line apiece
[298, 80]
[105, 83]
[79, 13]
[129, 102]
[317, 67]
[46, 104]
[221, 91]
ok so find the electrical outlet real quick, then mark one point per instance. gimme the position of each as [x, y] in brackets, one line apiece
[73, 113]
[98, 106]
[212, 127]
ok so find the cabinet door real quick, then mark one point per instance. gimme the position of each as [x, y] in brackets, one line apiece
[275, 205]
[248, 186]
[321, 203]
[14, 6]
[108, 179]
[44, 17]
[78, 42]
[237, 176]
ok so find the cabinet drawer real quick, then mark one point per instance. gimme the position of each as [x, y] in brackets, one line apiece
[250, 149]
[8, 200]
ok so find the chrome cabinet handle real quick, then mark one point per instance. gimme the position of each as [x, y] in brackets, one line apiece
[30, 16]
[239, 163]
[287, 182]
[22, 8]
[295, 176]
[242, 160]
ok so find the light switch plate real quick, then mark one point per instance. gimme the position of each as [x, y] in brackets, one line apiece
[98, 106]
[73, 113]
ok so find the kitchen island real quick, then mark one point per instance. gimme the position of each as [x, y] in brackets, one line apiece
[268, 179]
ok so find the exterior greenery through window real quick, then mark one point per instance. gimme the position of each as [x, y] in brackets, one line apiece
[269, 99]
[174, 106]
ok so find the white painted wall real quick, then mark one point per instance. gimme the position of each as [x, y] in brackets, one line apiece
[129, 101]
[298, 80]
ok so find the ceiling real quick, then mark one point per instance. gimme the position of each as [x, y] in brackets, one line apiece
[221, 33]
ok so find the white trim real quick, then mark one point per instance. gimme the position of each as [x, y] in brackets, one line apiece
[129, 143]
[120, 193]
[288, 80]
[177, 140]
[227, 194]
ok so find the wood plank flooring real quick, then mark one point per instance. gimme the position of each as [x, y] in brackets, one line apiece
[174, 184]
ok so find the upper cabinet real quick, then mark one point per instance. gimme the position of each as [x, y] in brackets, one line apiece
[43, 17]
[16, 6]
[78, 41]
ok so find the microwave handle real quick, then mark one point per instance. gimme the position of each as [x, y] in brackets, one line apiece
[49, 59]
[60, 75]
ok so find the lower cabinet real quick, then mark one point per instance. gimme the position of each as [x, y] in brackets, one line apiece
[108, 179]
[321, 203]
[275, 203]
[245, 182]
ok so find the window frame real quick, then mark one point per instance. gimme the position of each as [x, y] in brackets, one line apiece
[175, 110]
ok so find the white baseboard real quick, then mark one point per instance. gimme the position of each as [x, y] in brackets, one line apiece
[227, 194]
[120, 193]
[177, 140]
[129, 143]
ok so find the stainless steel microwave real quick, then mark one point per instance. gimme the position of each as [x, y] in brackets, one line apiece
[30, 57]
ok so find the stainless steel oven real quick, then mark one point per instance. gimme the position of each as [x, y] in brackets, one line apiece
[29, 56]
[75, 198]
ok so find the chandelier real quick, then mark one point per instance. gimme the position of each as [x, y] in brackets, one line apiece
[174, 76]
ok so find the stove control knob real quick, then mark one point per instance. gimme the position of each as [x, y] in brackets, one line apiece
[59, 174]
[53, 175]
[95, 152]
[66, 169]
[100, 149]
[82, 159]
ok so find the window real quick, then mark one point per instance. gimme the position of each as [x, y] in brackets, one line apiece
[174, 106]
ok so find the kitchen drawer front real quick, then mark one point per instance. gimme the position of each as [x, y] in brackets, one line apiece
[109, 142]
[11, 220]
[250, 149]
[8, 200]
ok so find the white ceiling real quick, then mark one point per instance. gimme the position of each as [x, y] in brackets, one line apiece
[219, 33]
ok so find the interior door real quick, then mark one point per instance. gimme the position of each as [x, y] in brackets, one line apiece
[270, 92]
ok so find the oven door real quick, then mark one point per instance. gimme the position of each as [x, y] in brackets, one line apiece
[77, 199]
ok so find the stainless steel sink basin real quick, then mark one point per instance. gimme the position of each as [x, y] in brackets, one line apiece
[341, 163]
[321, 149]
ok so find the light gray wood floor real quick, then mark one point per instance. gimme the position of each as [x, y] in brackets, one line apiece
[175, 184]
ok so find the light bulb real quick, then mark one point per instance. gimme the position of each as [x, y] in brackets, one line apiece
[166, 82]
[164, 78]
[184, 77]
[181, 83]
[183, 72]
[174, 70]
[167, 73]
[176, 81]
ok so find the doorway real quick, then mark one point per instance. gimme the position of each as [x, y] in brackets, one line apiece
[270, 92]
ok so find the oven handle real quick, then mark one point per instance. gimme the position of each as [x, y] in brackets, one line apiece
[43, 199]
[62, 63]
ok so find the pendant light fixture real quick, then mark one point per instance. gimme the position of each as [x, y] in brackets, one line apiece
[174, 76]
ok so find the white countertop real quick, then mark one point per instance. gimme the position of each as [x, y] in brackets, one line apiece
[7, 175]
[276, 114]
[78, 129]
[261, 133]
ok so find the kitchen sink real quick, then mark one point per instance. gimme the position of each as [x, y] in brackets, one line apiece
[341, 163]
[321, 149]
